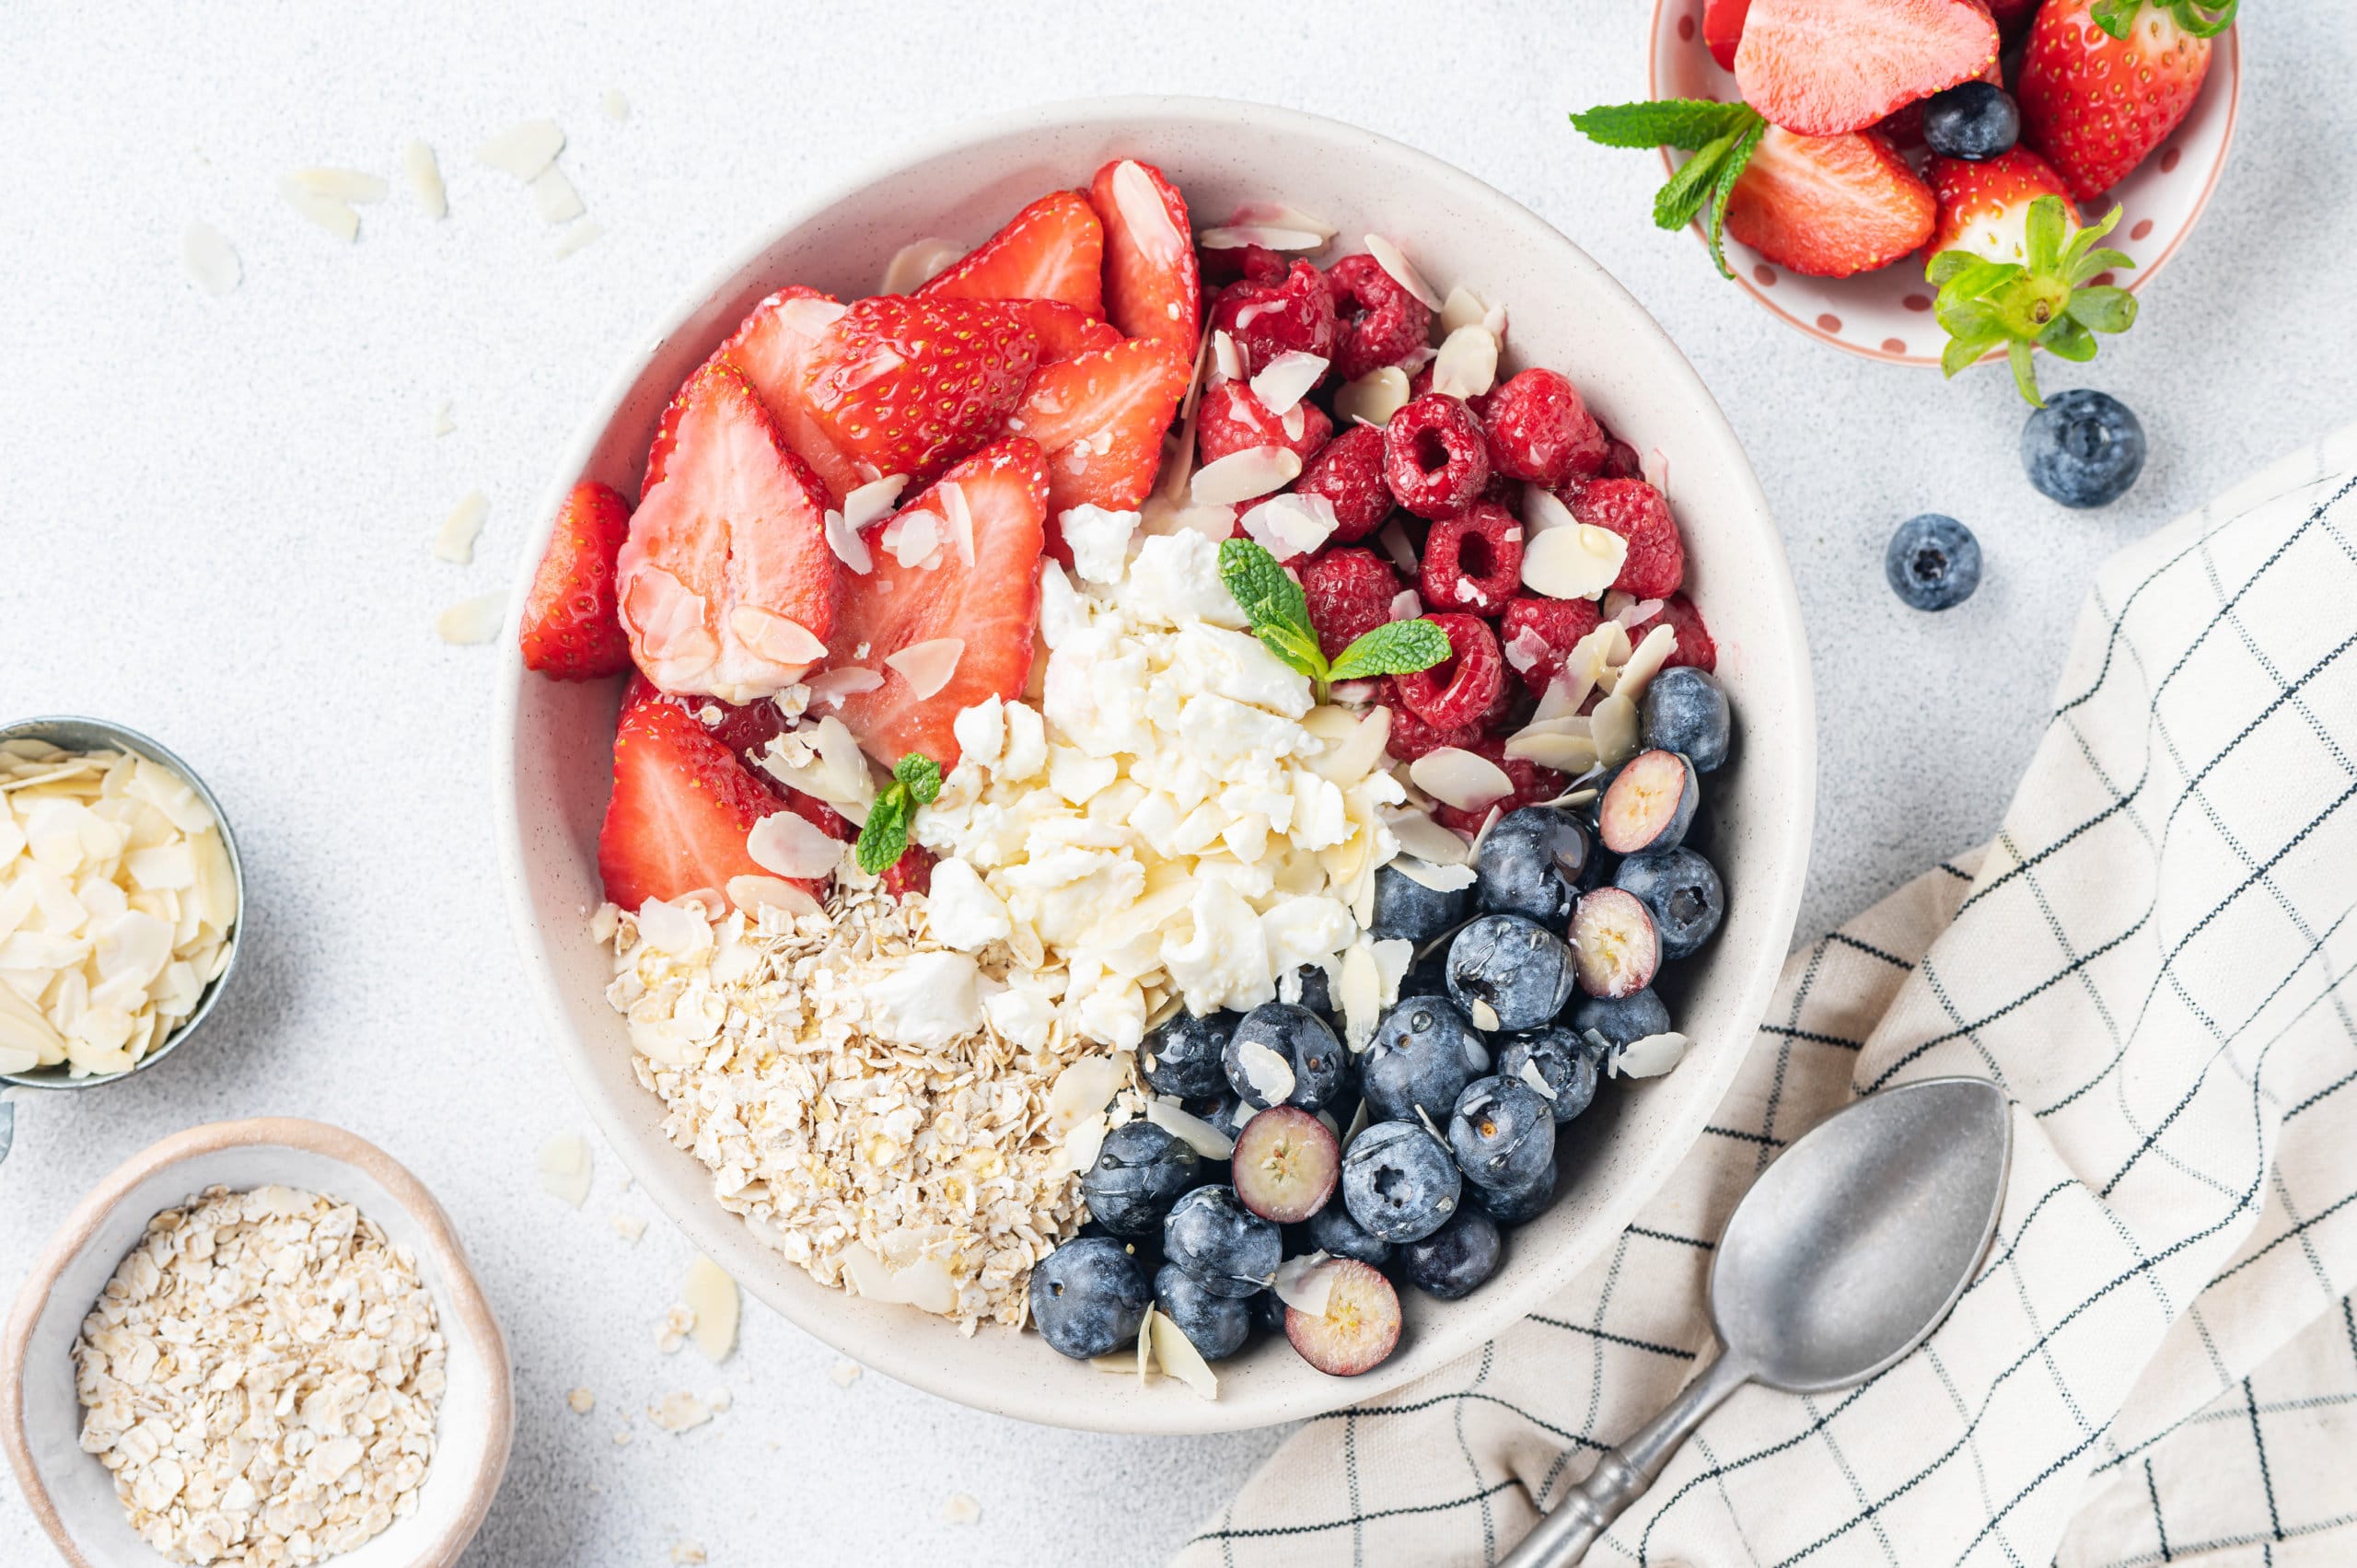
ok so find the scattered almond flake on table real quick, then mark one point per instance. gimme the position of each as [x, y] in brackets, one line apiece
[960, 1509]
[843, 1374]
[679, 1413]
[581, 1402]
[579, 237]
[342, 184]
[424, 173]
[711, 1296]
[209, 259]
[688, 1551]
[621, 1438]
[673, 1330]
[337, 218]
[455, 540]
[721, 1399]
[630, 1227]
[472, 621]
[565, 1168]
[441, 424]
[523, 149]
[612, 104]
[553, 194]
[1394, 260]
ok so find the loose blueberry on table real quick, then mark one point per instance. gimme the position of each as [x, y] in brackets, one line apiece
[1447, 587]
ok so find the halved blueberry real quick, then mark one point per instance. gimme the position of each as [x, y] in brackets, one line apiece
[1228, 1248]
[1360, 1327]
[1398, 1181]
[1615, 949]
[1424, 1053]
[1505, 972]
[1089, 1298]
[1501, 1132]
[1455, 1260]
[1284, 1053]
[1560, 1060]
[1181, 1055]
[1649, 804]
[1140, 1172]
[1530, 865]
[1286, 1164]
[1683, 893]
[1217, 1324]
[1406, 908]
[1685, 711]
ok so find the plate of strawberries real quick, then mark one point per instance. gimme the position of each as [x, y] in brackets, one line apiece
[1831, 151]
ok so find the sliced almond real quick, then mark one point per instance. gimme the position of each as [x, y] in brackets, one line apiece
[915, 262]
[1177, 1356]
[342, 184]
[844, 681]
[911, 538]
[1574, 562]
[1358, 991]
[209, 259]
[523, 150]
[842, 538]
[1235, 236]
[789, 845]
[1396, 544]
[1191, 1130]
[1463, 308]
[1286, 379]
[564, 1168]
[1650, 1056]
[1564, 753]
[1290, 524]
[1394, 260]
[1466, 364]
[336, 217]
[923, 1284]
[774, 637]
[873, 500]
[1278, 214]
[1373, 398]
[1406, 605]
[1426, 840]
[1227, 360]
[1271, 1075]
[751, 894]
[1439, 878]
[1356, 755]
[1145, 216]
[1525, 649]
[472, 621]
[960, 516]
[424, 173]
[1654, 468]
[1615, 720]
[928, 666]
[809, 318]
[1454, 776]
[577, 237]
[1543, 509]
[1645, 663]
[1082, 1090]
[712, 1296]
[1305, 1284]
[1245, 476]
[554, 196]
[455, 540]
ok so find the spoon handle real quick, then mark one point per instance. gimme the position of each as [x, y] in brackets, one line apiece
[1563, 1537]
[7, 1119]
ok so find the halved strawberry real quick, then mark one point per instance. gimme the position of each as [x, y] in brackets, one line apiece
[1984, 208]
[1153, 287]
[1722, 29]
[1823, 67]
[570, 631]
[1054, 248]
[1064, 331]
[726, 584]
[1100, 417]
[775, 348]
[910, 386]
[1830, 206]
[990, 603]
[681, 807]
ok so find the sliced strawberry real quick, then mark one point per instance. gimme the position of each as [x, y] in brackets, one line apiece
[1722, 29]
[1064, 331]
[571, 631]
[775, 348]
[913, 872]
[911, 386]
[1100, 417]
[1823, 67]
[1830, 206]
[681, 807]
[1984, 208]
[1054, 248]
[747, 729]
[1153, 287]
[990, 602]
[726, 584]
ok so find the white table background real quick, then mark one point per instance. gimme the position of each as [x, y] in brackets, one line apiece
[215, 517]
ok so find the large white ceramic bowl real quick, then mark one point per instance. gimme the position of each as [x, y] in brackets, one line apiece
[552, 740]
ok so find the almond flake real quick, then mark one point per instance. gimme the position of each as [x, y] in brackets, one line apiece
[1358, 991]
[1525, 649]
[1485, 1018]
[842, 538]
[209, 259]
[790, 846]
[1277, 214]
[523, 149]
[580, 237]
[455, 542]
[1532, 1074]
[1573, 562]
[1082, 1089]
[1290, 524]
[553, 194]
[1439, 878]
[1373, 398]
[1145, 216]
[775, 637]
[1633, 614]
[613, 106]
[472, 621]
[1270, 1075]
[928, 666]
[1177, 1356]
[1426, 840]
[1305, 1284]
[923, 1284]
[1543, 509]
[442, 424]
[564, 1168]
[1233, 237]
[753, 894]
[1654, 468]
[1457, 777]
[915, 263]
[1245, 476]
[336, 217]
[960, 516]
[630, 1227]
[679, 1413]
[1615, 724]
[912, 538]
[1649, 1057]
[1466, 364]
[1564, 753]
[844, 681]
[581, 1402]
[1286, 379]
[843, 1374]
[1394, 260]
[1406, 605]
[1227, 360]
[1191, 1130]
[1463, 308]
[1350, 757]
[712, 1296]
[424, 173]
[960, 1509]
[1645, 663]
[809, 318]
[873, 500]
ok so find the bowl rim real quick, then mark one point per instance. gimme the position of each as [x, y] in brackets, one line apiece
[723, 1235]
[2229, 48]
[462, 1295]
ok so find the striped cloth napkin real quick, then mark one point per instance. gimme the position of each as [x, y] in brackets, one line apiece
[2159, 1361]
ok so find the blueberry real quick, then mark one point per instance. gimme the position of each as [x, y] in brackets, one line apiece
[1650, 804]
[1520, 1205]
[1228, 1112]
[1089, 1298]
[1181, 1056]
[1316, 990]
[1934, 563]
[1310, 1062]
[1974, 120]
[1217, 1324]
[1685, 711]
[1398, 1181]
[1424, 1053]
[1228, 1248]
[1616, 947]
[1406, 908]
[2083, 449]
[1620, 1019]
[1455, 1260]
[1140, 1172]
[1683, 893]
[1503, 1132]
[1505, 972]
[1268, 1309]
[1428, 976]
[1331, 1229]
[1563, 1062]
[1530, 865]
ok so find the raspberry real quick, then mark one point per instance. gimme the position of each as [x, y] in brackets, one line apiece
[1231, 420]
[1255, 262]
[1434, 458]
[1504, 491]
[1350, 594]
[1510, 712]
[1382, 323]
[913, 872]
[1538, 429]
[1694, 645]
[1559, 623]
[1456, 692]
[1348, 471]
[1472, 561]
[1620, 459]
[1270, 318]
[1533, 785]
[1636, 511]
[1411, 737]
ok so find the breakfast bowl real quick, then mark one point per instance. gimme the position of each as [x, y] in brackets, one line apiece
[552, 739]
[73, 1496]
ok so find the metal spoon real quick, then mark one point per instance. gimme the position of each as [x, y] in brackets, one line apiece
[1843, 1257]
[80, 735]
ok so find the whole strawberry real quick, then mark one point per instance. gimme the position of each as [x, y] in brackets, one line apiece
[2104, 82]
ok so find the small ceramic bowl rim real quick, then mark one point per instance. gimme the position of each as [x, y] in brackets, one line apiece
[2230, 52]
[460, 1296]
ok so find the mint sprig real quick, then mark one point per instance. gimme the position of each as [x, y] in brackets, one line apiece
[884, 838]
[1279, 614]
[1722, 136]
[2045, 300]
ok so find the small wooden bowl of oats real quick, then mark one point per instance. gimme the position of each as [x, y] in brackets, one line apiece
[375, 1436]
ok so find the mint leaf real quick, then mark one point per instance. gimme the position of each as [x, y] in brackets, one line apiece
[1684, 123]
[922, 774]
[1273, 602]
[885, 837]
[1296, 647]
[1676, 204]
[1728, 175]
[1398, 647]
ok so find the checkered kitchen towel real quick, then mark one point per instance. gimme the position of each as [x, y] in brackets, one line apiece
[2159, 1363]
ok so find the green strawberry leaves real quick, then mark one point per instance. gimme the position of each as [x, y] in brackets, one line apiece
[884, 838]
[1722, 136]
[2203, 18]
[1274, 603]
[2044, 301]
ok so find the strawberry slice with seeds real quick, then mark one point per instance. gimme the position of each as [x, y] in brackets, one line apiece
[775, 349]
[1153, 287]
[1830, 206]
[681, 807]
[1984, 208]
[1100, 417]
[910, 386]
[927, 588]
[726, 586]
[1722, 29]
[1064, 331]
[571, 631]
[1824, 67]
[1054, 248]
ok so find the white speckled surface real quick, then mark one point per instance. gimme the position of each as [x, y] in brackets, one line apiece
[217, 514]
